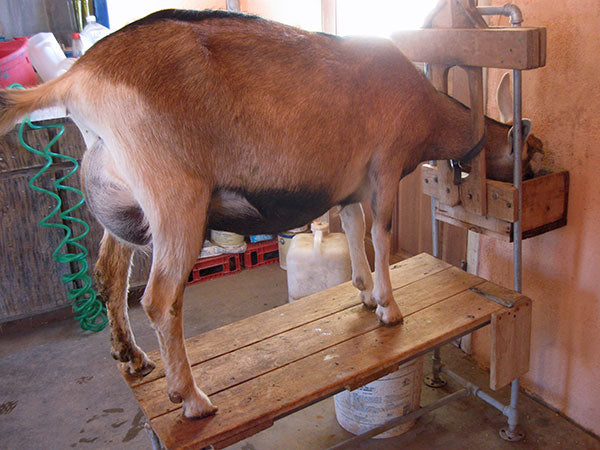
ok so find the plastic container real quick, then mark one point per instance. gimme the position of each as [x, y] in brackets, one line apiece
[226, 239]
[317, 261]
[260, 237]
[93, 31]
[15, 66]
[46, 55]
[284, 240]
[376, 403]
[76, 45]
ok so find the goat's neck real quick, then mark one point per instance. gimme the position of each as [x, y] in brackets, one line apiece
[453, 134]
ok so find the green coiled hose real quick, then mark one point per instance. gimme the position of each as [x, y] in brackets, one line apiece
[88, 309]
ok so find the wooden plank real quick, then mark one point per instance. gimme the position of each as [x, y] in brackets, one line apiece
[241, 436]
[545, 200]
[505, 48]
[470, 227]
[465, 14]
[511, 336]
[474, 220]
[473, 188]
[449, 193]
[270, 323]
[501, 197]
[251, 361]
[272, 395]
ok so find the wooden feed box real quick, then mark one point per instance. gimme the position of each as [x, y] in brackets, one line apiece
[267, 366]
[545, 201]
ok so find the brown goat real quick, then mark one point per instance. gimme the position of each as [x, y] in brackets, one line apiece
[212, 119]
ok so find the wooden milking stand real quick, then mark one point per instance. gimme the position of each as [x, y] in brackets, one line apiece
[267, 366]
[457, 35]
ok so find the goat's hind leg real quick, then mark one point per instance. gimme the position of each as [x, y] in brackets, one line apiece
[353, 222]
[176, 245]
[112, 273]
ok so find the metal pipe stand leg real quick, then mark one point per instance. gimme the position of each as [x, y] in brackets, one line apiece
[154, 439]
[512, 432]
[434, 380]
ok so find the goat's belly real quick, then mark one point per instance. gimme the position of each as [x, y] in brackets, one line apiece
[268, 211]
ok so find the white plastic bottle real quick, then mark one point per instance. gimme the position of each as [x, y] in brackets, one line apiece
[76, 45]
[93, 32]
[317, 261]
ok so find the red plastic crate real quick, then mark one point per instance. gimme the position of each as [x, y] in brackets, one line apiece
[214, 267]
[261, 253]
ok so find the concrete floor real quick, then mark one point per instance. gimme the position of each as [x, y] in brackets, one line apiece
[60, 389]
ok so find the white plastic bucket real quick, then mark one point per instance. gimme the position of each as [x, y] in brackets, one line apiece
[226, 239]
[46, 55]
[380, 401]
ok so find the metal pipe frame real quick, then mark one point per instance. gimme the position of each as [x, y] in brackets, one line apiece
[509, 10]
[154, 439]
[510, 434]
[352, 442]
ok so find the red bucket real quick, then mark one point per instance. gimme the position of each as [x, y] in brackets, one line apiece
[15, 66]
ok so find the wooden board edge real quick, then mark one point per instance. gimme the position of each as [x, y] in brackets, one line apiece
[251, 431]
[510, 343]
[527, 56]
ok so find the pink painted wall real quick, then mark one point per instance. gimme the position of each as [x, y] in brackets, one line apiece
[562, 267]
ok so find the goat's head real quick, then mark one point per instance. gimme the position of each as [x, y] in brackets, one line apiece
[499, 148]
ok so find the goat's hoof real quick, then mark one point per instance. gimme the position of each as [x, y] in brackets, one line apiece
[138, 366]
[198, 406]
[368, 299]
[141, 369]
[389, 315]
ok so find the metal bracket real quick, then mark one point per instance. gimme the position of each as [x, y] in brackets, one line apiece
[511, 436]
[501, 301]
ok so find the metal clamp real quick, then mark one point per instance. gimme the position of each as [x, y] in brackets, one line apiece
[502, 301]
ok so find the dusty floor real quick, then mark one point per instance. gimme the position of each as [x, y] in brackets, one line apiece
[60, 389]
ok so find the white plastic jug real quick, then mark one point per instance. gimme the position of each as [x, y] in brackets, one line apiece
[46, 55]
[284, 240]
[92, 32]
[317, 261]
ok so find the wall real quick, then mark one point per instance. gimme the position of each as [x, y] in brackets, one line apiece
[28, 17]
[123, 12]
[304, 14]
[561, 267]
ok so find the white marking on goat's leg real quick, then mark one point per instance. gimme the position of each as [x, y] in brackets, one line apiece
[177, 219]
[353, 223]
[112, 274]
[387, 309]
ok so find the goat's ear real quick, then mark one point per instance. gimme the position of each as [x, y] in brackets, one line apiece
[526, 124]
[526, 129]
[505, 99]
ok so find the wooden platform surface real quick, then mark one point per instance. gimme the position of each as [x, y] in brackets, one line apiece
[269, 365]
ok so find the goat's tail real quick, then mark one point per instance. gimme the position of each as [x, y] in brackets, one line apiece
[17, 103]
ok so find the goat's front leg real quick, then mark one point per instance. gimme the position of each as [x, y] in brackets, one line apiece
[112, 273]
[177, 234]
[382, 206]
[353, 223]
